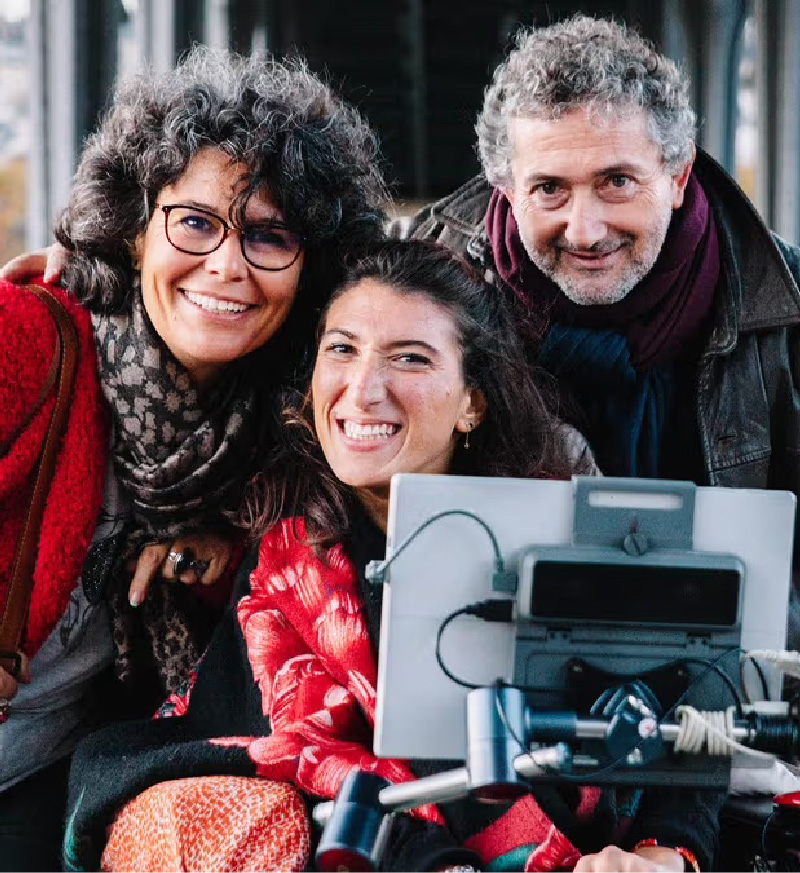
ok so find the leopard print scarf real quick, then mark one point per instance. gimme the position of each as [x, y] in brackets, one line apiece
[182, 459]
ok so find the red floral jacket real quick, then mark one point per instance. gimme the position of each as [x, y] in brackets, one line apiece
[309, 649]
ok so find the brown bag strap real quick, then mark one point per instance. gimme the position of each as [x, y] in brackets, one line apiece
[21, 584]
[44, 393]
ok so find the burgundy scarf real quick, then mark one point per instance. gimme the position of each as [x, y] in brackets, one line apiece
[664, 310]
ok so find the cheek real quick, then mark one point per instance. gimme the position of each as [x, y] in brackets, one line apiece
[152, 297]
[279, 289]
[155, 254]
[535, 226]
[160, 274]
[434, 411]
[642, 214]
[317, 393]
[324, 389]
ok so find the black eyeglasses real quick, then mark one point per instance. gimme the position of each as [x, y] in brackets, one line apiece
[195, 231]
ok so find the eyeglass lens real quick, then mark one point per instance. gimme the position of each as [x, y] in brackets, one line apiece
[199, 233]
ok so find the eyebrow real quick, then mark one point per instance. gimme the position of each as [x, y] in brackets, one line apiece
[628, 167]
[394, 344]
[274, 217]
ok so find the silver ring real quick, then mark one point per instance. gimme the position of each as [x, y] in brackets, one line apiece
[199, 567]
[183, 561]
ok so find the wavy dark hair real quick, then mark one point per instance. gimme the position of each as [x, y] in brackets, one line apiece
[314, 153]
[518, 436]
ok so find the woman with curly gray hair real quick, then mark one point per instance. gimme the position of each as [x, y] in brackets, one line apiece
[209, 220]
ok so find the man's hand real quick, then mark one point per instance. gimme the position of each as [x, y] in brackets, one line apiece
[615, 860]
[50, 261]
[205, 557]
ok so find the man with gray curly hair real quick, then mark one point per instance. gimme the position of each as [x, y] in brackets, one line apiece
[667, 311]
[649, 287]
[585, 115]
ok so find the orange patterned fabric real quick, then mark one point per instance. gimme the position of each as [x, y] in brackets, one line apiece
[211, 823]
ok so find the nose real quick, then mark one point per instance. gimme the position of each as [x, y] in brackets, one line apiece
[227, 261]
[367, 384]
[585, 221]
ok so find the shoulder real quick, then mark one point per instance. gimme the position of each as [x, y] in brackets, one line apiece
[27, 325]
[27, 347]
[20, 301]
[790, 254]
[573, 446]
[282, 546]
[286, 561]
[455, 219]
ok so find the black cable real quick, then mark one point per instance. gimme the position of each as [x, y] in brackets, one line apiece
[380, 567]
[764, 830]
[451, 676]
[487, 610]
[712, 665]
[498, 686]
[761, 675]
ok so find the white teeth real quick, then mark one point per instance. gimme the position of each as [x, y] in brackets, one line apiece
[356, 431]
[212, 304]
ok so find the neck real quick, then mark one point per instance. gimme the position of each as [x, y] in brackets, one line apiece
[376, 502]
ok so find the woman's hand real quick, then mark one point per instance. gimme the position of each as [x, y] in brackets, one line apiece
[198, 558]
[9, 685]
[50, 261]
[615, 860]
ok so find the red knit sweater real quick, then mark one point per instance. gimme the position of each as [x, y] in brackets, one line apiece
[27, 339]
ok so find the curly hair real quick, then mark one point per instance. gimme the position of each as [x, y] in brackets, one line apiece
[518, 436]
[313, 153]
[593, 63]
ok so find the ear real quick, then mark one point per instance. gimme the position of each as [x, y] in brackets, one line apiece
[508, 190]
[136, 252]
[680, 180]
[473, 411]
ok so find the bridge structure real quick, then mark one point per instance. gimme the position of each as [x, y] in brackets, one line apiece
[417, 69]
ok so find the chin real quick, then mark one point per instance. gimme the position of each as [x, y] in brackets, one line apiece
[366, 483]
[593, 296]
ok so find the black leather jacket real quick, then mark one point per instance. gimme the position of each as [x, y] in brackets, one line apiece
[747, 396]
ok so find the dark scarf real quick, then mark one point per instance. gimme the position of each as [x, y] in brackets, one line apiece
[625, 352]
[183, 459]
[624, 411]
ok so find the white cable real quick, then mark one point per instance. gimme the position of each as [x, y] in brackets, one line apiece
[712, 730]
[787, 662]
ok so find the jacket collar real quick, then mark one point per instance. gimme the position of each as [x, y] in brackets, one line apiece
[760, 291]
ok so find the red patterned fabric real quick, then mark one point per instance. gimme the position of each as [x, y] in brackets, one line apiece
[308, 646]
[525, 824]
[27, 340]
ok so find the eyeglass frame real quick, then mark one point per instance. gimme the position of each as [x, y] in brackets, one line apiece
[228, 228]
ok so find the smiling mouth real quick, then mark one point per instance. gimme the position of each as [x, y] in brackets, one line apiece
[215, 304]
[367, 432]
[591, 259]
